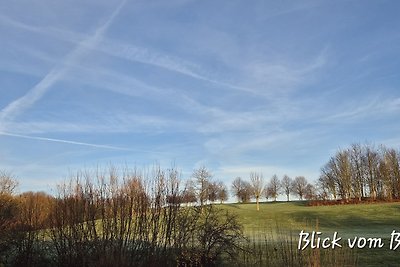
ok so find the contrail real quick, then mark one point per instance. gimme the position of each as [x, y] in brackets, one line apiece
[142, 55]
[62, 141]
[80, 143]
[21, 104]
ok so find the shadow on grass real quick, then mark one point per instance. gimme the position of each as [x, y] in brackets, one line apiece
[231, 205]
[346, 220]
[301, 203]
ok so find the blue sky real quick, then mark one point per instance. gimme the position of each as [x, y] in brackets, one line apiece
[237, 86]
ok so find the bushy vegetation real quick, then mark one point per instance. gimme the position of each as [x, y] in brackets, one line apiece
[114, 219]
[126, 218]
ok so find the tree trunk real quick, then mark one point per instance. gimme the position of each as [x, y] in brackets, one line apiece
[258, 204]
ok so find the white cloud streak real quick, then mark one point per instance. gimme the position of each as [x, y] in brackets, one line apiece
[138, 54]
[173, 64]
[71, 142]
[359, 110]
[37, 92]
[61, 141]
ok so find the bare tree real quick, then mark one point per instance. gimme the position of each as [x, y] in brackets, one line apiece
[386, 184]
[299, 186]
[218, 233]
[362, 171]
[322, 189]
[358, 171]
[287, 186]
[257, 182]
[343, 167]
[328, 181]
[310, 192]
[222, 194]
[236, 187]
[9, 211]
[242, 189]
[33, 216]
[372, 162]
[212, 191]
[189, 193]
[392, 160]
[202, 178]
[8, 184]
[273, 187]
[337, 172]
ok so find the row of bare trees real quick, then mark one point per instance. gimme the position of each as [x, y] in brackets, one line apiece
[358, 172]
[115, 218]
[257, 188]
[202, 188]
[362, 171]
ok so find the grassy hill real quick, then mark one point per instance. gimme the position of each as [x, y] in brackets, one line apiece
[376, 220]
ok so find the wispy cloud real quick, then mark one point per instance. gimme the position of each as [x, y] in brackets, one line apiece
[71, 142]
[282, 76]
[138, 54]
[20, 25]
[116, 122]
[37, 92]
[61, 141]
[168, 62]
[358, 110]
[234, 146]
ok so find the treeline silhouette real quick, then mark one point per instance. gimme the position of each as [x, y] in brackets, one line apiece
[361, 172]
[358, 173]
[114, 219]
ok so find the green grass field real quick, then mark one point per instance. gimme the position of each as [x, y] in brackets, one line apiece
[361, 220]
